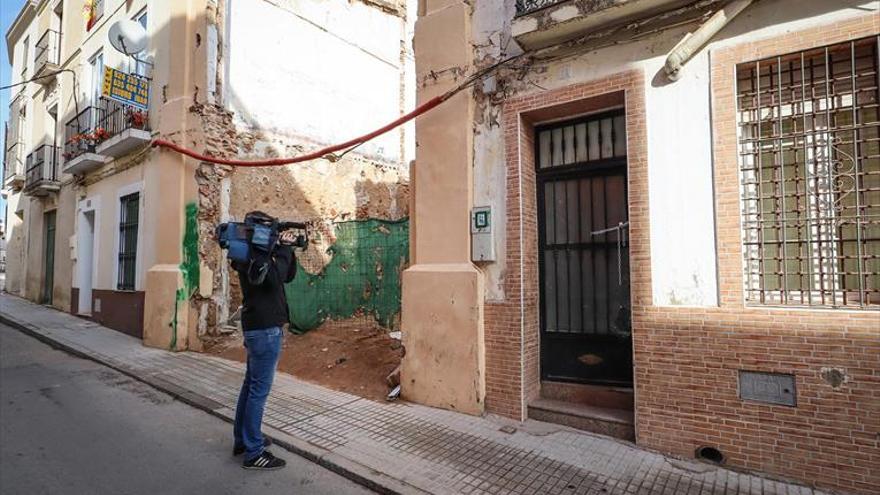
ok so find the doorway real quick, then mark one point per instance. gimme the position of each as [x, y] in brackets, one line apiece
[48, 257]
[85, 259]
[585, 308]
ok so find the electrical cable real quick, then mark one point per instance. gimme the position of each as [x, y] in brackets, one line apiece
[53, 74]
[328, 152]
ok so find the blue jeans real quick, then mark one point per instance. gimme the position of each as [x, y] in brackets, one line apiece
[263, 348]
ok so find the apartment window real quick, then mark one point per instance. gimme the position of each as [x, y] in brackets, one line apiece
[96, 76]
[25, 50]
[140, 67]
[129, 207]
[809, 147]
[96, 82]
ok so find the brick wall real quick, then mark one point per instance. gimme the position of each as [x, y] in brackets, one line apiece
[687, 359]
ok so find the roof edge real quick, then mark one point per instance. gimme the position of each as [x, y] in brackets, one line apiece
[25, 16]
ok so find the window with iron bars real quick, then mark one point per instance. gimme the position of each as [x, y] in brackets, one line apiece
[809, 148]
[128, 234]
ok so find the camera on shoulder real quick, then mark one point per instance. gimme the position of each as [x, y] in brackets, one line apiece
[260, 233]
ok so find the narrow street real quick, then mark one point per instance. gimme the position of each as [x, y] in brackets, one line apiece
[68, 425]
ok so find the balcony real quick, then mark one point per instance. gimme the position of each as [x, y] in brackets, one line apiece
[81, 136]
[43, 176]
[543, 23]
[13, 165]
[47, 53]
[127, 128]
[528, 6]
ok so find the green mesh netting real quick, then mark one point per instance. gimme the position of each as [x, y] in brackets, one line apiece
[362, 277]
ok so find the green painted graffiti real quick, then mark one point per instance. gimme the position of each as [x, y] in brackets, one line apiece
[362, 277]
[189, 267]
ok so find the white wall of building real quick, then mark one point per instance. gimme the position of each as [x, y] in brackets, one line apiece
[326, 71]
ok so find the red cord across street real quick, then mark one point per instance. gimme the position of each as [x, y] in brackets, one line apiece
[273, 162]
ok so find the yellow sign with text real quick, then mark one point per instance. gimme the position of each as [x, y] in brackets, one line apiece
[126, 88]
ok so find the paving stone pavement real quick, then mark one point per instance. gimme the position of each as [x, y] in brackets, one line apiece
[422, 449]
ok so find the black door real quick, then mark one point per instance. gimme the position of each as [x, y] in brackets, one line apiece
[48, 256]
[584, 250]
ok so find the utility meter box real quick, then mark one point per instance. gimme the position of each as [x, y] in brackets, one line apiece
[482, 245]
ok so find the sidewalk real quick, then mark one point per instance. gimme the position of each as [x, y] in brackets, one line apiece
[397, 447]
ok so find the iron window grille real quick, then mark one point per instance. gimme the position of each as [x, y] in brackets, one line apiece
[129, 207]
[809, 149]
[528, 6]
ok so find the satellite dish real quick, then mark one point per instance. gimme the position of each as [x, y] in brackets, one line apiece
[128, 37]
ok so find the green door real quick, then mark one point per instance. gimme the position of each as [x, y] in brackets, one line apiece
[49, 256]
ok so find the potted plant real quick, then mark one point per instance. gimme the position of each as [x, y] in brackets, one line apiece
[81, 143]
[137, 119]
[99, 135]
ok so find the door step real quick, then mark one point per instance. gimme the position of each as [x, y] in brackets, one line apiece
[616, 423]
[590, 395]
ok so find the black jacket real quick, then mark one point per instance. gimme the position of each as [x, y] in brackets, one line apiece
[265, 305]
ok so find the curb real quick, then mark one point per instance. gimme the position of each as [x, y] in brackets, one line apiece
[347, 468]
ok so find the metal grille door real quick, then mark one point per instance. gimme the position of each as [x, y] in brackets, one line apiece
[584, 250]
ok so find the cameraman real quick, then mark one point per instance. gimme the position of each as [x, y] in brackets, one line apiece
[263, 315]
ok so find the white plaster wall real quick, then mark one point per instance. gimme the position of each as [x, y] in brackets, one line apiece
[107, 193]
[16, 238]
[681, 195]
[683, 268]
[324, 70]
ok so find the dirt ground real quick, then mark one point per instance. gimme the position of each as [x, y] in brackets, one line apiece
[351, 356]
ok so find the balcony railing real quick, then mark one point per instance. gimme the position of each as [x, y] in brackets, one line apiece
[117, 117]
[47, 52]
[42, 169]
[528, 6]
[82, 132]
[15, 106]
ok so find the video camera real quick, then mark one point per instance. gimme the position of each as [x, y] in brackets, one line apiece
[258, 234]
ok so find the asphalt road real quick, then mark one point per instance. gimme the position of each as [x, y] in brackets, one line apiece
[71, 426]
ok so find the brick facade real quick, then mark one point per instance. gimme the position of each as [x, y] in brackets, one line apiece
[513, 371]
[687, 359]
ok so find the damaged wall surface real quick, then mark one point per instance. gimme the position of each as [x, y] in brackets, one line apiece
[289, 78]
[326, 71]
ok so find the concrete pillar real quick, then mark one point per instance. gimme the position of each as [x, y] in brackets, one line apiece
[443, 291]
[169, 178]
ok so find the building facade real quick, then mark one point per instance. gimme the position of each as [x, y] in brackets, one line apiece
[105, 226]
[655, 220]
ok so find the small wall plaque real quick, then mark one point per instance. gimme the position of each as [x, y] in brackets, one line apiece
[772, 388]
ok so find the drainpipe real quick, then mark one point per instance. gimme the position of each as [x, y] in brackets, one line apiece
[692, 42]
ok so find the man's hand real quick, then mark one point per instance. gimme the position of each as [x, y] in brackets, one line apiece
[287, 237]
